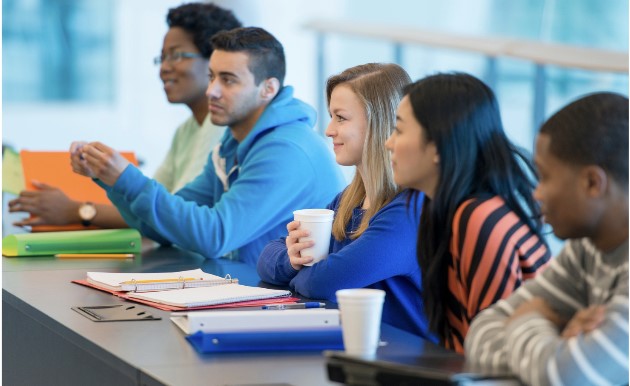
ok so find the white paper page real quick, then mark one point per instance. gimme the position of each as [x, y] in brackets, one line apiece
[114, 279]
[202, 296]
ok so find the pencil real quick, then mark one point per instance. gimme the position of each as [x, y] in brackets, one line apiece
[94, 255]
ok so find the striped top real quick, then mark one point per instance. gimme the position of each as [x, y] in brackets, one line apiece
[531, 346]
[493, 251]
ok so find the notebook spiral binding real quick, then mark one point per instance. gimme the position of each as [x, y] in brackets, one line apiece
[181, 281]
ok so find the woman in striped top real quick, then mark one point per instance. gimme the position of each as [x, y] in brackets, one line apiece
[480, 229]
[569, 326]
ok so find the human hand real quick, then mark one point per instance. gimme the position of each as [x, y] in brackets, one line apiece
[294, 246]
[584, 321]
[78, 163]
[541, 306]
[47, 205]
[100, 161]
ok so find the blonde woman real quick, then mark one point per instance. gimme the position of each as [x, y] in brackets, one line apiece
[374, 231]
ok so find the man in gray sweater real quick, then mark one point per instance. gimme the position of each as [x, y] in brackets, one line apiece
[569, 325]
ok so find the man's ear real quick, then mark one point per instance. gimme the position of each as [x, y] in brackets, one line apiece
[595, 180]
[270, 88]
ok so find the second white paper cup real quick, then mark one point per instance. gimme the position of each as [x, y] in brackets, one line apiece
[319, 223]
[361, 311]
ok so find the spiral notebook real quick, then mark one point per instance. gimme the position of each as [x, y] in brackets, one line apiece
[208, 296]
[161, 281]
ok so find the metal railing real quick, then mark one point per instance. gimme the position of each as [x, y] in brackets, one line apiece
[539, 53]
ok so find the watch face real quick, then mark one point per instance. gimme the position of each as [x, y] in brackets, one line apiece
[87, 211]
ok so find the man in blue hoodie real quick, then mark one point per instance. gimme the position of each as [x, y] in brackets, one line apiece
[268, 164]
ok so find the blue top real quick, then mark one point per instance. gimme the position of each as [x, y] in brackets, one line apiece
[383, 257]
[281, 166]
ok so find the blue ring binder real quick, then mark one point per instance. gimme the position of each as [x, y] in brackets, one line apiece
[285, 340]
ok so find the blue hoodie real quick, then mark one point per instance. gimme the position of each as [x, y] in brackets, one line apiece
[383, 257]
[281, 166]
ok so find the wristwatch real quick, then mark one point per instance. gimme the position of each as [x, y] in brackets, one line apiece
[87, 211]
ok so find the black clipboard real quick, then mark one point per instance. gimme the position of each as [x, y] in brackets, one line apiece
[115, 313]
[445, 369]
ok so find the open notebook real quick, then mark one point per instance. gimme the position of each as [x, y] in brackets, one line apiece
[200, 290]
[208, 296]
[141, 282]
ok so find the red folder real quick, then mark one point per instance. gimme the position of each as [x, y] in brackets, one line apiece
[166, 307]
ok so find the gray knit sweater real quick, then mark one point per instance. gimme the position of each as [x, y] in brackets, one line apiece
[531, 346]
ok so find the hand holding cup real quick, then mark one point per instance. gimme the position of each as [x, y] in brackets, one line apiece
[318, 226]
[294, 246]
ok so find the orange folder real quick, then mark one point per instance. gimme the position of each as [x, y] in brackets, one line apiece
[53, 168]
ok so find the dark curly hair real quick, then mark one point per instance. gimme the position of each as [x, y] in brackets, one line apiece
[202, 21]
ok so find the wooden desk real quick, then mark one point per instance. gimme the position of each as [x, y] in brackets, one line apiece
[45, 342]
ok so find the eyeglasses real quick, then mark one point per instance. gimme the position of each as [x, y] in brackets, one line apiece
[175, 57]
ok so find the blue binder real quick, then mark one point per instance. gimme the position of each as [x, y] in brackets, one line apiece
[286, 340]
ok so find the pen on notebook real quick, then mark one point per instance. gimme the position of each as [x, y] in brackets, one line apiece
[94, 255]
[293, 306]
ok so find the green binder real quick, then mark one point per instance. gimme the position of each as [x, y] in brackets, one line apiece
[89, 241]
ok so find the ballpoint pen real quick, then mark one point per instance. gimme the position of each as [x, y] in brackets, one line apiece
[293, 306]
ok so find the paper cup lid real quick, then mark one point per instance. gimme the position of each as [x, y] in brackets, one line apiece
[361, 294]
[314, 215]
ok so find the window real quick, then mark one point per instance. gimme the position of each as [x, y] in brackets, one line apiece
[57, 51]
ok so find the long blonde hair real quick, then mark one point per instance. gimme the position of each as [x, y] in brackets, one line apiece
[379, 87]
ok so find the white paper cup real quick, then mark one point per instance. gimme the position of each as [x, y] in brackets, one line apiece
[319, 223]
[360, 311]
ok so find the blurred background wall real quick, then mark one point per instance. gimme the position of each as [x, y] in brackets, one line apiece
[83, 70]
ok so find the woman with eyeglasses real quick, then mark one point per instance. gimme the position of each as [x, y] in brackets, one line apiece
[184, 72]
